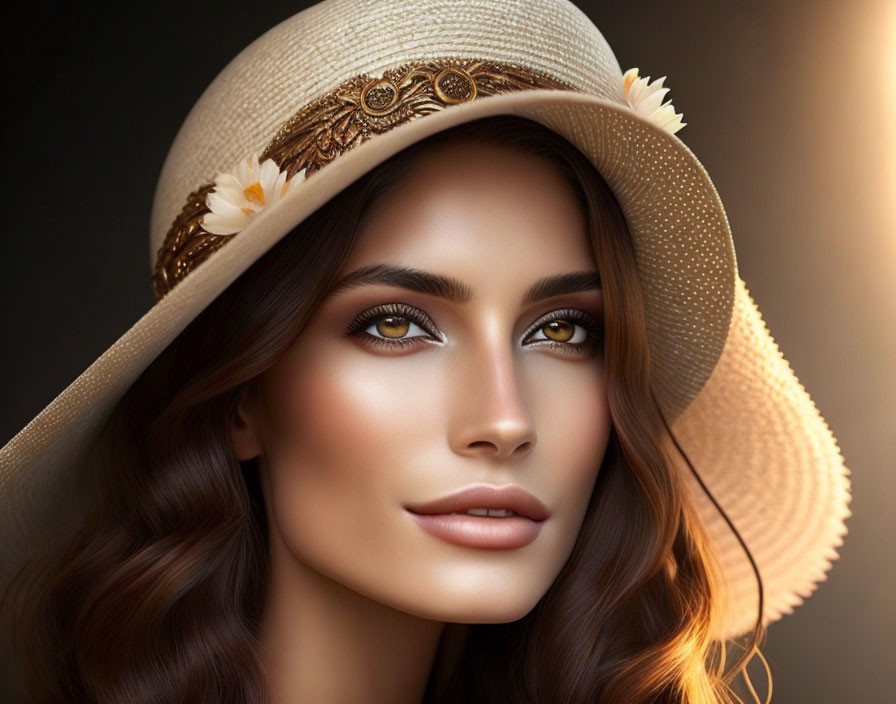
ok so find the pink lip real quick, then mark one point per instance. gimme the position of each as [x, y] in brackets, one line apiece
[481, 531]
[486, 496]
[443, 518]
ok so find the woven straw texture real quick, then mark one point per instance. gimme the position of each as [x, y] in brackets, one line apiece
[741, 415]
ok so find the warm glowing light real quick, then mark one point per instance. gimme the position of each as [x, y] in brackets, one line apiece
[890, 172]
[891, 46]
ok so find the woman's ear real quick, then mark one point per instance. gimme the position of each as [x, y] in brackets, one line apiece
[243, 432]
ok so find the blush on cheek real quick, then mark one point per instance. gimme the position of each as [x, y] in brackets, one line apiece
[351, 422]
[574, 397]
[575, 423]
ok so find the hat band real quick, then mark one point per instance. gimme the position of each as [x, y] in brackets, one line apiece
[358, 109]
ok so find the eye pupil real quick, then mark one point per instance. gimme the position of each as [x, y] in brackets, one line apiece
[393, 326]
[559, 330]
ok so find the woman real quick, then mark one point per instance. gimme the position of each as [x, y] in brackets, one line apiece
[275, 430]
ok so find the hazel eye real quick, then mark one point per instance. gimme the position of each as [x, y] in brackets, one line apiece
[569, 330]
[394, 327]
[393, 324]
[560, 330]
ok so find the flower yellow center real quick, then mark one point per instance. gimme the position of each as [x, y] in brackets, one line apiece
[254, 193]
[629, 79]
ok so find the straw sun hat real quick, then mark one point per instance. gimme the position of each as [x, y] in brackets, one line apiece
[337, 89]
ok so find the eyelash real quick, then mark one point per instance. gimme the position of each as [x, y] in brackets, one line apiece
[358, 327]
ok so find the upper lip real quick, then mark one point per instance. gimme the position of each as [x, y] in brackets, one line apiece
[484, 496]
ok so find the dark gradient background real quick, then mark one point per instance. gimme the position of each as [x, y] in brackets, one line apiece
[791, 106]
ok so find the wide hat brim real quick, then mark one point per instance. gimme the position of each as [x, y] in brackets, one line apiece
[747, 424]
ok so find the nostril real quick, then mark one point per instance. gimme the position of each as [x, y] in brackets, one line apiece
[502, 449]
[480, 443]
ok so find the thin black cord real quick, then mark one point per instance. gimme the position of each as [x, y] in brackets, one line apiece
[724, 515]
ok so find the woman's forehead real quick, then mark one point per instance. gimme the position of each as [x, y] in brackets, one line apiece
[477, 213]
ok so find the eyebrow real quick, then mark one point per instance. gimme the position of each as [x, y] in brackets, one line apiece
[455, 290]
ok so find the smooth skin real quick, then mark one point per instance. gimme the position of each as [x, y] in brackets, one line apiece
[349, 430]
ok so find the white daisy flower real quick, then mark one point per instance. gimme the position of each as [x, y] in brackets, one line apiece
[645, 98]
[244, 191]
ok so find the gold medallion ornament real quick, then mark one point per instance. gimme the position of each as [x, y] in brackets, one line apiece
[454, 85]
[358, 109]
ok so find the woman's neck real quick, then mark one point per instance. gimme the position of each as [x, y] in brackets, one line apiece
[324, 642]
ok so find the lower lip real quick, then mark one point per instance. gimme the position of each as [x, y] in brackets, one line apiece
[481, 531]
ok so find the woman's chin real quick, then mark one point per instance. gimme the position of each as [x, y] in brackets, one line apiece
[472, 606]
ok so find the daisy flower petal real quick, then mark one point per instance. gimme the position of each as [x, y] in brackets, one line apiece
[223, 225]
[646, 99]
[247, 169]
[278, 187]
[268, 174]
[220, 205]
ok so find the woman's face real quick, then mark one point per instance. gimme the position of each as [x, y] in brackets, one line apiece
[394, 397]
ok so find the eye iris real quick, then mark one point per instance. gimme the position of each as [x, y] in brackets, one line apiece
[559, 330]
[393, 326]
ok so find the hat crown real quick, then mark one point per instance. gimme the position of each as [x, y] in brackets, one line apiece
[314, 51]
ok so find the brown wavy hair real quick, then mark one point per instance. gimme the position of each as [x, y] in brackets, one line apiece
[158, 596]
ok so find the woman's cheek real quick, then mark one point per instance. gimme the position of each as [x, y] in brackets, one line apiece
[349, 429]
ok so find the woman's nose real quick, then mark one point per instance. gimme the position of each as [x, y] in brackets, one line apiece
[491, 417]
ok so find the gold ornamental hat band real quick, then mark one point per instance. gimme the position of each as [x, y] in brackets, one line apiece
[330, 93]
[338, 121]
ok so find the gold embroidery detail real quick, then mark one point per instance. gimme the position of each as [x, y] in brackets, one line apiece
[358, 109]
[378, 97]
[454, 85]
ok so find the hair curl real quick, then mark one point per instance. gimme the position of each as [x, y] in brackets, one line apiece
[158, 596]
